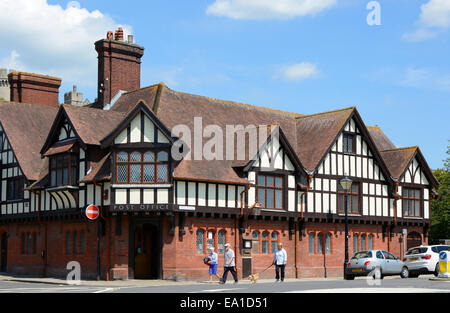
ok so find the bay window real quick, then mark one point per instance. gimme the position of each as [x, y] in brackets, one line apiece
[64, 170]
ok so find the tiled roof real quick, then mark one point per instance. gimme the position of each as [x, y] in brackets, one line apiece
[316, 133]
[92, 125]
[381, 140]
[398, 159]
[27, 126]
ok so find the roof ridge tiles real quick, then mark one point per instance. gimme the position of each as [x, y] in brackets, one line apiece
[327, 112]
[398, 149]
[228, 102]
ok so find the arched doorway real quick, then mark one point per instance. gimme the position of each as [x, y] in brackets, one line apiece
[146, 249]
[4, 252]
[414, 239]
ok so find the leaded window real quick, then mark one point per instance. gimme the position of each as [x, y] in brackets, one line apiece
[265, 243]
[274, 242]
[312, 244]
[221, 242]
[200, 247]
[142, 167]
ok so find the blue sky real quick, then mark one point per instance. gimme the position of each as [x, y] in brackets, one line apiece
[397, 74]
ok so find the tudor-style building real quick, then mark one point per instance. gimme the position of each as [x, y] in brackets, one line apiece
[160, 213]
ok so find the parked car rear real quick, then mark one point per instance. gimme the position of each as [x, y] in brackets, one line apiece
[376, 263]
[424, 259]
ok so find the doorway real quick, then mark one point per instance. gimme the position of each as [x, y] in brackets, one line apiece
[4, 253]
[414, 239]
[146, 250]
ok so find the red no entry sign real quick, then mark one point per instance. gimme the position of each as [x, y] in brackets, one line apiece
[92, 212]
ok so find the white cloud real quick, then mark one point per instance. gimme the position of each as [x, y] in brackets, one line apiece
[435, 15]
[419, 35]
[298, 72]
[49, 39]
[423, 78]
[268, 9]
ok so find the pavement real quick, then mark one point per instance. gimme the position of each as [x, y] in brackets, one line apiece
[389, 285]
[132, 282]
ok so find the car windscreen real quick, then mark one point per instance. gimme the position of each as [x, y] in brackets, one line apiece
[439, 249]
[362, 255]
[417, 251]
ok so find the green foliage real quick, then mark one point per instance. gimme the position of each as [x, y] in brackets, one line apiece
[440, 207]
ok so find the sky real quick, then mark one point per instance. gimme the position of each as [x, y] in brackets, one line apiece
[389, 58]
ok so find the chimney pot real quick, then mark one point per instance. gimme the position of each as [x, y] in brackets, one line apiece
[130, 39]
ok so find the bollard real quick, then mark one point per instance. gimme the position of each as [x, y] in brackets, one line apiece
[444, 264]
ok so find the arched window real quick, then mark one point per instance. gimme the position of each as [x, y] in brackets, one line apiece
[200, 244]
[82, 242]
[312, 244]
[319, 243]
[274, 242]
[210, 243]
[328, 244]
[370, 242]
[355, 243]
[75, 242]
[265, 243]
[255, 242]
[363, 243]
[221, 242]
[68, 242]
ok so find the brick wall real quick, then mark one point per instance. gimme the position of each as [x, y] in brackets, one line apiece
[34, 89]
[180, 259]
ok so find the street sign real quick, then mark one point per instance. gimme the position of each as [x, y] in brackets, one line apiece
[92, 212]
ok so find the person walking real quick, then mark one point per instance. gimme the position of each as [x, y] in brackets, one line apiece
[229, 264]
[280, 260]
[213, 264]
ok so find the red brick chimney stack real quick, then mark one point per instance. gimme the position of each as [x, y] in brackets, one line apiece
[34, 89]
[119, 66]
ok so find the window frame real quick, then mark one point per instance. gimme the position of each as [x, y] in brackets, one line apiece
[155, 164]
[345, 141]
[274, 189]
[407, 199]
[18, 192]
[351, 194]
[70, 158]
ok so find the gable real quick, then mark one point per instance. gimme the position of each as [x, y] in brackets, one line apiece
[273, 155]
[362, 164]
[66, 131]
[414, 174]
[141, 130]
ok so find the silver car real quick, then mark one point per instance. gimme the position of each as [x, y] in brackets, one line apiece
[376, 263]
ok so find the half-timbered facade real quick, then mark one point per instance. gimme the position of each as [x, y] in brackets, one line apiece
[161, 212]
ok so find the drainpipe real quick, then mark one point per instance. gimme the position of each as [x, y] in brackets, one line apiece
[102, 187]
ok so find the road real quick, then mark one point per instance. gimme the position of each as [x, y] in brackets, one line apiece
[388, 285]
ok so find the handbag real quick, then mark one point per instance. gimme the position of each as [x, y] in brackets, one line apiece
[206, 260]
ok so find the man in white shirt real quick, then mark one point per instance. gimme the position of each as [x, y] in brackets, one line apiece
[280, 260]
[229, 265]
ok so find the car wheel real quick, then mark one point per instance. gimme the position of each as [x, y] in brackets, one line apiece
[349, 277]
[436, 271]
[404, 273]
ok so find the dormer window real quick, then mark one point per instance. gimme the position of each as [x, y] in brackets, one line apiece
[150, 167]
[63, 170]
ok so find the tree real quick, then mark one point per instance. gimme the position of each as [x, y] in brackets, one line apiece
[440, 207]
